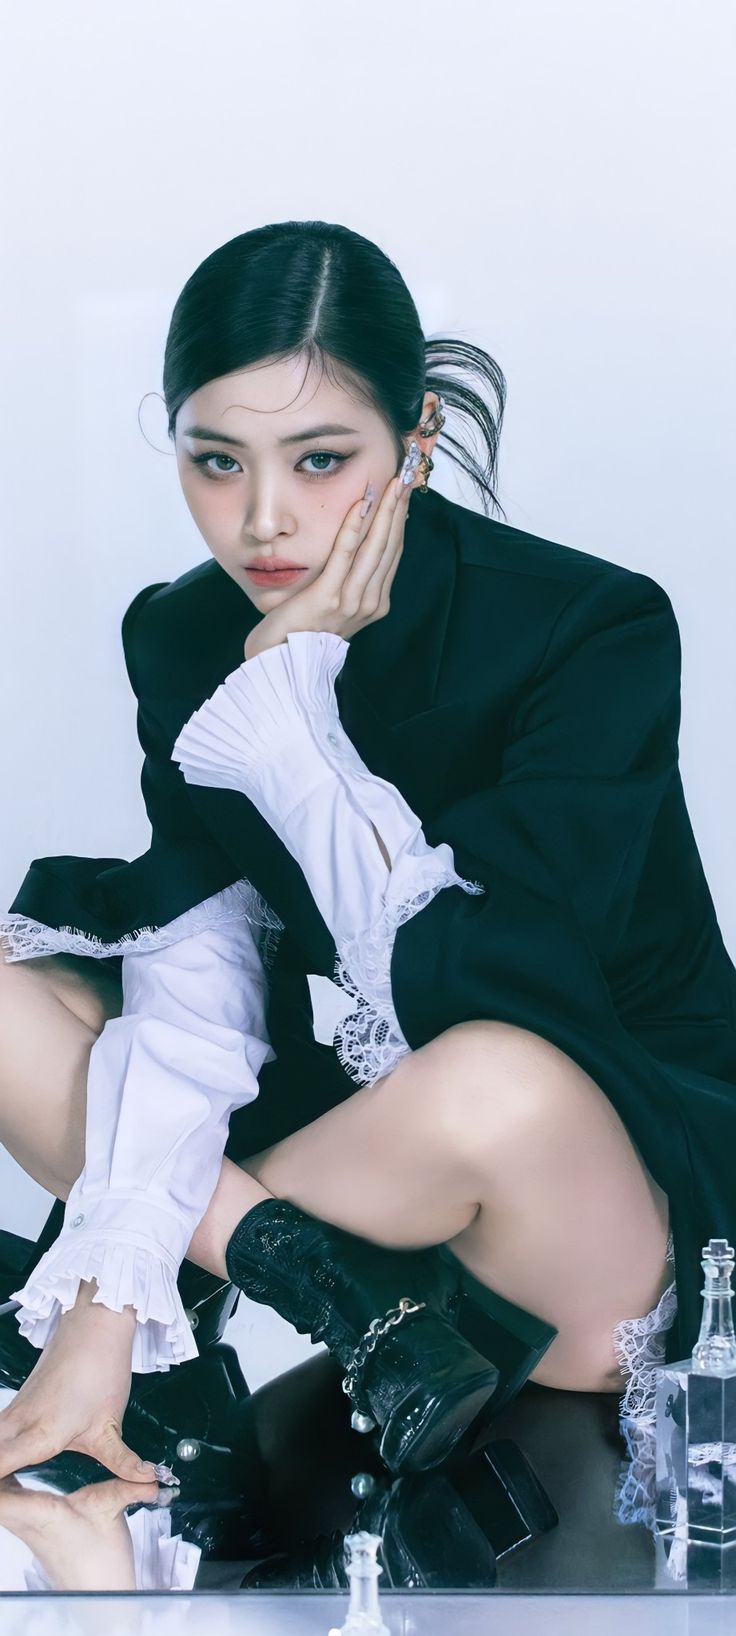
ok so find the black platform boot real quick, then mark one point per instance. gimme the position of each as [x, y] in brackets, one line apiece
[385, 1316]
[438, 1532]
[515, 1338]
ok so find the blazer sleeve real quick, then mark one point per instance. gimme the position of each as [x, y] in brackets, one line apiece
[560, 837]
[185, 856]
[99, 906]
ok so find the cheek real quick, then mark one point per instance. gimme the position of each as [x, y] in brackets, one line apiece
[208, 502]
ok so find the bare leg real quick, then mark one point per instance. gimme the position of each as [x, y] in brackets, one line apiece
[51, 1013]
[492, 1138]
[489, 1137]
[49, 1021]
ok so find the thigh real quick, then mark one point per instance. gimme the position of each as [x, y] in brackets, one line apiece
[92, 989]
[575, 1227]
[571, 1224]
[52, 1009]
[304, 1082]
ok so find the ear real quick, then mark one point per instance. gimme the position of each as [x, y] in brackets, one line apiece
[429, 405]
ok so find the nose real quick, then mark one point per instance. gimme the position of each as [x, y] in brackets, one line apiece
[266, 515]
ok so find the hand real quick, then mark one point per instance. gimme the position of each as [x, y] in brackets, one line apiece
[76, 1395]
[81, 1540]
[353, 588]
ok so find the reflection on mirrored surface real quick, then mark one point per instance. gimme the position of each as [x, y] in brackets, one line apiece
[696, 1423]
[558, 1495]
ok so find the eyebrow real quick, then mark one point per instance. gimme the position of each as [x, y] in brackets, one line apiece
[207, 435]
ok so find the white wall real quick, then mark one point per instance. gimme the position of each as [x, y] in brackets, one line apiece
[553, 181]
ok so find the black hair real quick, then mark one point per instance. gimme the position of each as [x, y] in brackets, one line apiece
[321, 289]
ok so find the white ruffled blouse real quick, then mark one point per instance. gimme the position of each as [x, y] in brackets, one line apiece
[187, 1049]
[165, 1076]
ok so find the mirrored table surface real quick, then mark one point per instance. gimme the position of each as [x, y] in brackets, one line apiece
[553, 1499]
[418, 1614]
[548, 1502]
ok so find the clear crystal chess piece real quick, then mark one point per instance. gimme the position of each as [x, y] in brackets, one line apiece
[364, 1613]
[696, 1420]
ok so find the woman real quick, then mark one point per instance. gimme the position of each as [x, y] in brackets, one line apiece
[486, 845]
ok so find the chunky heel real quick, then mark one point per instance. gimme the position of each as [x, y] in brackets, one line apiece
[451, 1385]
[512, 1337]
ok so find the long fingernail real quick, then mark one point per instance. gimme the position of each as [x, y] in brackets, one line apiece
[409, 468]
[368, 498]
[164, 1474]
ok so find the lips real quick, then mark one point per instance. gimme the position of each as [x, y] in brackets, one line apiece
[272, 578]
[269, 565]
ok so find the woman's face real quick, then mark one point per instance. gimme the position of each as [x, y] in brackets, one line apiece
[261, 476]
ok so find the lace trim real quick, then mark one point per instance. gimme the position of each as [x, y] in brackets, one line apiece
[640, 1345]
[635, 1495]
[369, 1041]
[26, 939]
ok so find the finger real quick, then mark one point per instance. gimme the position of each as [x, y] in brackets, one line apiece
[384, 585]
[108, 1499]
[108, 1447]
[119, 1492]
[371, 534]
[378, 549]
[365, 575]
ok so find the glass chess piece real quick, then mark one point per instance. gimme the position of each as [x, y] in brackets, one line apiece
[364, 1613]
[696, 1420]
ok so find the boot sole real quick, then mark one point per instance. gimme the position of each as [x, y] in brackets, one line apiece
[422, 1432]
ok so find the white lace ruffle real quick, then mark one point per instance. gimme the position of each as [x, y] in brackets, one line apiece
[24, 938]
[127, 1274]
[369, 1041]
[635, 1495]
[640, 1346]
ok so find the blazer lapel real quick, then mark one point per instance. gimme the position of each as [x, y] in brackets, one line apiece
[386, 690]
[392, 666]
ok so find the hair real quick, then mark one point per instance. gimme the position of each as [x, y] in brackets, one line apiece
[320, 289]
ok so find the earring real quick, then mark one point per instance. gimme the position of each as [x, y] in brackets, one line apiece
[426, 465]
[433, 423]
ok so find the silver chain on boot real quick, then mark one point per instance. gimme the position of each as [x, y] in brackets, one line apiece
[360, 1420]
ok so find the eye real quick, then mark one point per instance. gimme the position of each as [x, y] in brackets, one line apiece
[323, 454]
[203, 460]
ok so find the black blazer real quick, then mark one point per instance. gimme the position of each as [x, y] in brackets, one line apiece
[525, 699]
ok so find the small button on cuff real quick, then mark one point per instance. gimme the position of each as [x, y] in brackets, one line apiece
[332, 738]
[77, 1222]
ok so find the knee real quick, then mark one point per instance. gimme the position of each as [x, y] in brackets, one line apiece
[486, 1076]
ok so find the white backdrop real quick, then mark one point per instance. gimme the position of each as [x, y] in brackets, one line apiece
[553, 182]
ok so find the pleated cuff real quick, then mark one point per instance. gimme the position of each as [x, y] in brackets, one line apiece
[129, 1272]
[264, 730]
